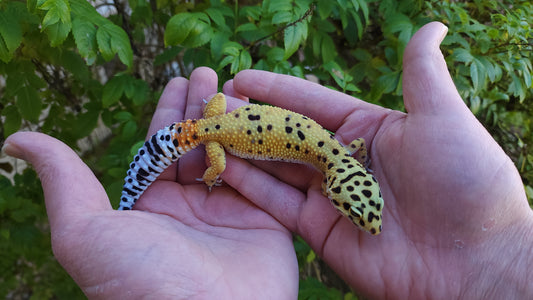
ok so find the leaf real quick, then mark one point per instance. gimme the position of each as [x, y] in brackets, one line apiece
[141, 92]
[129, 130]
[58, 32]
[84, 33]
[113, 90]
[245, 60]
[216, 15]
[478, 74]
[167, 55]
[329, 52]
[10, 35]
[282, 17]
[231, 48]
[462, 55]
[246, 27]
[188, 29]
[123, 116]
[293, 37]
[12, 120]
[113, 40]
[386, 83]
[279, 5]
[178, 28]
[58, 11]
[29, 103]
[217, 42]
[83, 9]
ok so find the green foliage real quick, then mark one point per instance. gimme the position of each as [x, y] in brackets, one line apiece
[67, 68]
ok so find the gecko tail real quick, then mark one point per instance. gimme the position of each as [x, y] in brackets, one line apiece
[156, 154]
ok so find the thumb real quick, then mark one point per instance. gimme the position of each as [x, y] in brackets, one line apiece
[70, 188]
[427, 84]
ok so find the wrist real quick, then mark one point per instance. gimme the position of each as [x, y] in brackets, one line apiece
[505, 272]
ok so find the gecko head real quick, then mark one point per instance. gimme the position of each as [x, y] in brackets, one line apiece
[360, 200]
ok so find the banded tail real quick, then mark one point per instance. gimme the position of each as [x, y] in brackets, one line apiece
[159, 152]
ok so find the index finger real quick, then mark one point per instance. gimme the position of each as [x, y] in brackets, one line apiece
[326, 106]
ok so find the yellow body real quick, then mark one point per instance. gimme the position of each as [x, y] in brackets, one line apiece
[271, 133]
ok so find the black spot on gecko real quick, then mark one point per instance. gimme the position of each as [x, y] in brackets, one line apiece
[350, 188]
[236, 115]
[367, 183]
[340, 170]
[260, 142]
[269, 127]
[179, 129]
[367, 193]
[130, 192]
[248, 132]
[336, 190]
[143, 173]
[288, 145]
[231, 145]
[298, 124]
[330, 165]
[217, 126]
[372, 216]
[176, 143]
[355, 197]
[287, 119]
[254, 118]
[358, 173]
[301, 135]
[335, 151]
[344, 160]
[206, 129]
[156, 146]
[288, 129]
[346, 206]
[320, 144]
[259, 129]
[247, 108]
[297, 148]
[194, 136]
[335, 202]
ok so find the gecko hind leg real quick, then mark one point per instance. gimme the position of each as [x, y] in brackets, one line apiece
[217, 160]
[358, 146]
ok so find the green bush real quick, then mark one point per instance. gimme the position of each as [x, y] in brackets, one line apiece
[68, 68]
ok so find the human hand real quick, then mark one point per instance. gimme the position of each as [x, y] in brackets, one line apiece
[456, 214]
[183, 243]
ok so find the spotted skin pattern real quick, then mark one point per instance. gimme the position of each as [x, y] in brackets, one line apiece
[263, 133]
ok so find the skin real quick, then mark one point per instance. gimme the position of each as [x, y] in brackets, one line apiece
[456, 220]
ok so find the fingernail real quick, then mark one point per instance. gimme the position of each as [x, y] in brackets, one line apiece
[12, 150]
